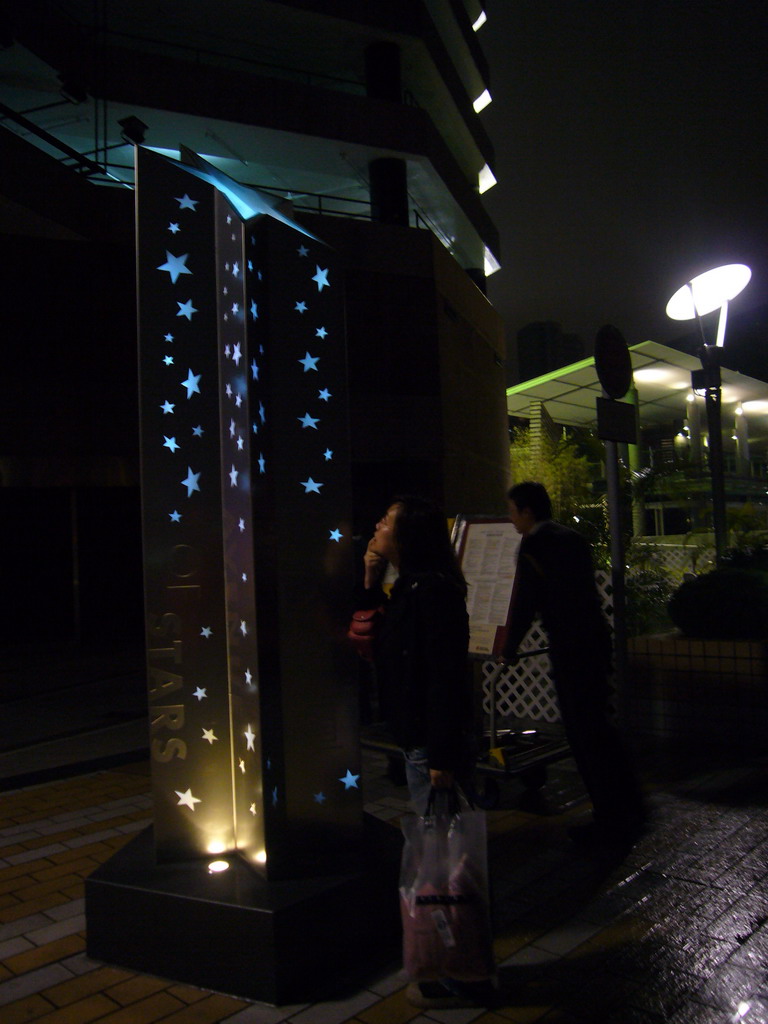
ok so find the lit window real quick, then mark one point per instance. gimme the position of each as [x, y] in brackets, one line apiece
[486, 179]
[482, 101]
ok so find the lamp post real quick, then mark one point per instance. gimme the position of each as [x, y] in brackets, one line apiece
[704, 294]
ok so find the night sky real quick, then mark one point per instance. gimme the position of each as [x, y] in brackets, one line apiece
[631, 155]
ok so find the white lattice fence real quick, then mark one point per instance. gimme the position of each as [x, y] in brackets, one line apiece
[525, 689]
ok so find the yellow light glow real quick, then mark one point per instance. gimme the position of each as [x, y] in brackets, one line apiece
[482, 101]
[486, 179]
[261, 857]
[217, 866]
[652, 374]
[739, 410]
[216, 847]
[481, 20]
[755, 405]
[690, 397]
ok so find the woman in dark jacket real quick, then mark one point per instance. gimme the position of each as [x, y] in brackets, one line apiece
[420, 652]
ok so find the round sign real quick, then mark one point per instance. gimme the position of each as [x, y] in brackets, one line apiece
[612, 362]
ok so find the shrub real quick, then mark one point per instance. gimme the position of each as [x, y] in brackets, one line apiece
[725, 604]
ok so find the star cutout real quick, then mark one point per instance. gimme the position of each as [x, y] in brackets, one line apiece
[328, 454]
[319, 798]
[274, 797]
[191, 481]
[175, 265]
[349, 780]
[324, 395]
[303, 250]
[250, 736]
[321, 333]
[241, 525]
[168, 337]
[321, 277]
[244, 577]
[235, 267]
[336, 535]
[238, 400]
[175, 517]
[250, 265]
[186, 309]
[185, 203]
[170, 442]
[309, 362]
[168, 360]
[187, 799]
[207, 632]
[228, 390]
[254, 370]
[262, 414]
[173, 228]
[200, 693]
[232, 428]
[235, 308]
[167, 407]
[248, 678]
[237, 354]
[208, 735]
[308, 421]
[300, 307]
[261, 463]
[191, 383]
[243, 627]
[197, 431]
[241, 765]
[233, 475]
[240, 442]
[254, 310]
[309, 486]
[252, 809]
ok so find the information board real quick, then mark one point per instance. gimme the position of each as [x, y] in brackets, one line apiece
[487, 551]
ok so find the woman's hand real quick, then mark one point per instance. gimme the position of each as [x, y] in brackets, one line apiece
[374, 566]
[441, 779]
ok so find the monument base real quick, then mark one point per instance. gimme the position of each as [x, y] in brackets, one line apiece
[277, 942]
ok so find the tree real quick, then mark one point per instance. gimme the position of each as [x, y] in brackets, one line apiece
[558, 464]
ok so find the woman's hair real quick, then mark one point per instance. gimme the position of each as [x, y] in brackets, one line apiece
[423, 542]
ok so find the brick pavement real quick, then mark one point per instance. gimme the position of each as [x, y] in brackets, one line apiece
[677, 933]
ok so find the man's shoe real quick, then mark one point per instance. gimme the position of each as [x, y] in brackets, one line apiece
[449, 995]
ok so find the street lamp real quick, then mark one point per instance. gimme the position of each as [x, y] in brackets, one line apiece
[704, 294]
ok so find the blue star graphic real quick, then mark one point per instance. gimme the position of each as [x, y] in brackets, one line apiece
[236, 354]
[206, 631]
[170, 442]
[349, 780]
[274, 797]
[321, 333]
[254, 310]
[186, 309]
[241, 525]
[168, 337]
[321, 277]
[235, 308]
[336, 535]
[175, 265]
[173, 228]
[300, 307]
[324, 395]
[328, 454]
[250, 265]
[197, 431]
[191, 481]
[319, 798]
[308, 421]
[261, 463]
[254, 370]
[303, 250]
[191, 383]
[168, 360]
[310, 486]
[167, 407]
[174, 516]
[235, 269]
[262, 414]
[309, 362]
[185, 203]
[233, 475]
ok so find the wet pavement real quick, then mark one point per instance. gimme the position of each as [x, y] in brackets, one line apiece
[674, 932]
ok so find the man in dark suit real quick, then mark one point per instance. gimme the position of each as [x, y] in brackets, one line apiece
[555, 578]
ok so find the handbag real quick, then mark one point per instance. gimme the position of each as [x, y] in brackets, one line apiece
[362, 631]
[444, 904]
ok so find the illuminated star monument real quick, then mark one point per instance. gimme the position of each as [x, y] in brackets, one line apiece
[247, 540]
